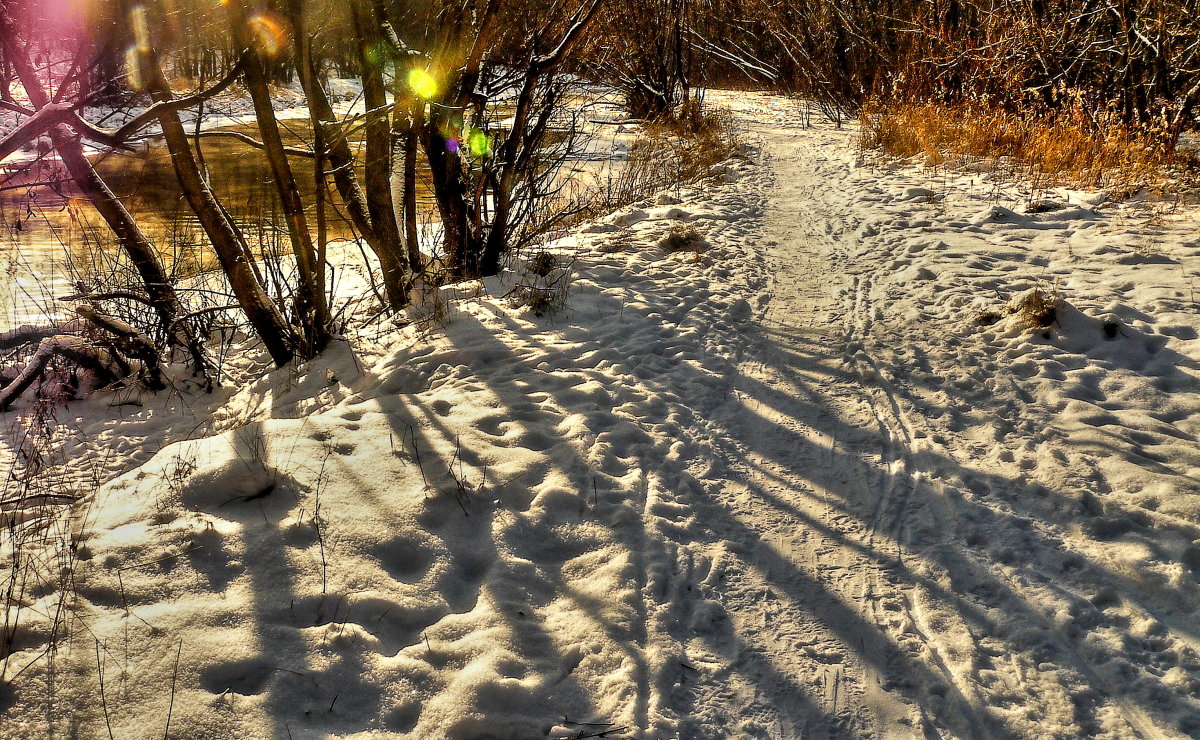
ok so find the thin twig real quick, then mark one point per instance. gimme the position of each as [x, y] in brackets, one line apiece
[174, 676]
[103, 701]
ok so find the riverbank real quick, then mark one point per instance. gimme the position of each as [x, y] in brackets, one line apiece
[50, 238]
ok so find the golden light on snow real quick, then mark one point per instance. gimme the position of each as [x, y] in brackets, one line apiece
[422, 83]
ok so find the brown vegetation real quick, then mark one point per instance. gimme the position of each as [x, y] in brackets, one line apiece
[1055, 149]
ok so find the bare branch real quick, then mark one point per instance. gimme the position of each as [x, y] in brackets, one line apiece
[171, 106]
[54, 114]
[28, 334]
[291, 150]
[11, 106]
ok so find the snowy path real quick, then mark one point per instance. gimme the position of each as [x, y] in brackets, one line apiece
[811, 482]
[903, 571]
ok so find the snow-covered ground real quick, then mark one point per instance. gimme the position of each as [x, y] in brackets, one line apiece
[810, 481]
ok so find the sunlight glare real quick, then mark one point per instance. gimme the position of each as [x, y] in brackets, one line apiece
[373, 55]
[133, 68]
[268, 32]
[141, 44]
[422, 83]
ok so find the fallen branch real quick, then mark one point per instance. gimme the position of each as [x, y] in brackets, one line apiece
[114, 295]
[203, 311]
[137, 345]
[8, 504]
[27, 334]
[36, 125]
[11, 106]
[73, 348]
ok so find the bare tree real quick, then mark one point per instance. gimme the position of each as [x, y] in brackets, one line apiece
[369, 22]
[370, 209]
[645, 49]
[228, 241]
[478, 171]
[311, 312]
[63, 125]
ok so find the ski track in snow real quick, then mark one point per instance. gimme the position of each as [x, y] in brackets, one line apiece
[789, 487]
[966, 599]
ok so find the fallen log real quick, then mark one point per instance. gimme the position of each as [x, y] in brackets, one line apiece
[136, 344]
[76, 349]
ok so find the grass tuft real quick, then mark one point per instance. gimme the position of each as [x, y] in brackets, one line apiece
[683, 239]
[1034, 308]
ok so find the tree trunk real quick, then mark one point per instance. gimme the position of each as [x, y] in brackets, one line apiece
[341, 159]
[461, 247]
[377, 167]
[412, 141]
[227, 239]
[310, 309]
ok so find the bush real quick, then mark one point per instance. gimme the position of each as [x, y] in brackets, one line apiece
[671, 152]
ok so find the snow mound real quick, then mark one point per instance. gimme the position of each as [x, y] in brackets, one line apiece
[471, 535]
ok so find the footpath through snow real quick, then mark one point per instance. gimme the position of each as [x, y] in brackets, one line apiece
[812, 481]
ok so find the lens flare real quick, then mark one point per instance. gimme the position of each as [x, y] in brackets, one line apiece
[133, 68]
[374, 55]
[65, 17]
[422, 83]
[141, 27]
[268, 32]
[479, 143]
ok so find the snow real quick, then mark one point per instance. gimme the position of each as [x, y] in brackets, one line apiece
[815, 477]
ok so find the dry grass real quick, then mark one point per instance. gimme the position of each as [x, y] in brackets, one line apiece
[683, 239]
[542, 284]
[1035, 308]
[684, 148]
[1070, 150]
[542, 264]
[671, 152]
